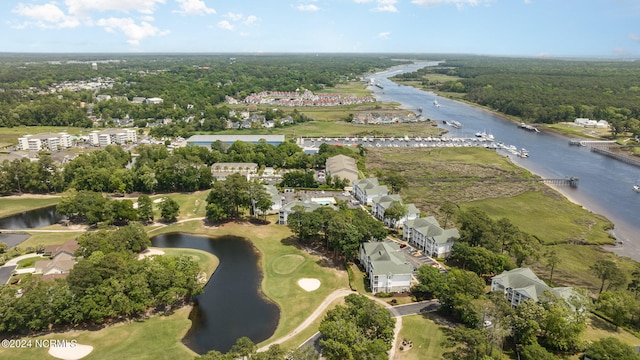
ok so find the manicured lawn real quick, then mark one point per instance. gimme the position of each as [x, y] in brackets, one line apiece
[191, 204]
[14, 205]
[52, 238]
[599, 329]
[158, 337]
[359, 280]
[29, 262]
[305, 334]
[357, 88]
[427, 338]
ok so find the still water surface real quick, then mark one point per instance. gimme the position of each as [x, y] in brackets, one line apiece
[31, 219]
[232, 304]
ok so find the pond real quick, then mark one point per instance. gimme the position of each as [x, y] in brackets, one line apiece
[232, 304]
[31, 219]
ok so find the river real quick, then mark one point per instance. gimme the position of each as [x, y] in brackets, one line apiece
[605, 185]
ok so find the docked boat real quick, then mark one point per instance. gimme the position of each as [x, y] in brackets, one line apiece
[636, 188]
[455, 124]
[380, 86]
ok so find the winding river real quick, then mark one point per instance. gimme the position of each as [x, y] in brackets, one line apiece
[605, 184]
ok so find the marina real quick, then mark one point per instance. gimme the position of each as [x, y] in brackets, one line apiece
[605, 182]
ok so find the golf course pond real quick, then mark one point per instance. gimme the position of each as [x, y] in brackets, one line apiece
[232, 304]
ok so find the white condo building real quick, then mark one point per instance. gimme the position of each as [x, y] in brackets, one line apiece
[44, 141]
[107, 137]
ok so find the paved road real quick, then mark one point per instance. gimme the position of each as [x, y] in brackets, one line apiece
[5, 273]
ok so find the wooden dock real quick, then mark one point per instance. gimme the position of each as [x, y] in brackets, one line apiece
[616, 155]
[568, 181]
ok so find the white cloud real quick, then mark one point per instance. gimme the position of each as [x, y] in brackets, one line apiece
[134, 32]
[46, 16]
[84, 7]
[234, 16]
[307, 7]
[384, 35]
[224, 24]
[250, 20]
[381, 5]
[458, 3]
[194, 7]
[634, 37]
[362, 1]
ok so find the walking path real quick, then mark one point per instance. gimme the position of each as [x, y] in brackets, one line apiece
[323, 306]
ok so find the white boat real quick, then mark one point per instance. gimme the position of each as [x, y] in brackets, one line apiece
[435, 102]
[636, 187]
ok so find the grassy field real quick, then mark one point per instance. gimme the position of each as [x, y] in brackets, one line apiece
[155, 338]
[14, 205]
[342, 129]
[427, 338]
[192, 205]
[357, 88]
[11, 135]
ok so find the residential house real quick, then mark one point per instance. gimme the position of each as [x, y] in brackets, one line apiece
[365, 190]
[61, 262]
[380, 205]
[427, 235]
[154, 101]
[342, 166]
[386, 267]
[521, 284]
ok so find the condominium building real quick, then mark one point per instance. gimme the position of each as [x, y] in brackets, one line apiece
[107, 137]
[44, 141]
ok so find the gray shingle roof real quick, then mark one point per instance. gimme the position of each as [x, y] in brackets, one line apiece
[386, 258]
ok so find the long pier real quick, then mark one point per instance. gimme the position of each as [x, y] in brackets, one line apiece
[614, 155]
[568, 181]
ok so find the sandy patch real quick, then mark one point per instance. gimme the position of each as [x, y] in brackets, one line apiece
[150, 252]
[72, 351]
[158, 200]
[309, 284]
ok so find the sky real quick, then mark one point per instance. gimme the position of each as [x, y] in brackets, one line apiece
[535, 28]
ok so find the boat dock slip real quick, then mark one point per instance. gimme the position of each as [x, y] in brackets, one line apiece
[570, 181]
[528, 127]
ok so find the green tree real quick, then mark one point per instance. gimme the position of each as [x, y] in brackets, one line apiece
[169, 209]
[395, 212]
[361, 329]
[535, 352]
[396, 181]
[145, 208]
[448, 209]
[618, 306]
[552, 260]
[611, 348]
[607, 270]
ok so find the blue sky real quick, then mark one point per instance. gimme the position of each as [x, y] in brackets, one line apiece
[553, 28]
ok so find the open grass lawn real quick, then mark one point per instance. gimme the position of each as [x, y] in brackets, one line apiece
[357, 88]
[29, 262]
[359, 280]
[15, 205]
[564, 221]
[48, 238]
[427, 338]
[192, 205]
[155, 338]
[598, 329]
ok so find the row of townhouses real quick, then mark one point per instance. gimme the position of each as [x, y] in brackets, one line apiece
[61, 141]
[422, 233]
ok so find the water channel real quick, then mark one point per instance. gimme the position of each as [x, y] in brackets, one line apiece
[232, 304]
[605, 185]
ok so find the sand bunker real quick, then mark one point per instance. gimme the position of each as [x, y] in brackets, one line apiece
[72, 351]
[309, 284]
[149, 252]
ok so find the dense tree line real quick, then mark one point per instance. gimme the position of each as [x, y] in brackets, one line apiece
[341, 230]
[361, 329]
[228, 199]
[108, 284]
[202, 81]
[544, 90]
[156, 169]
